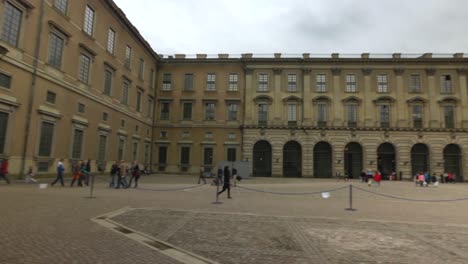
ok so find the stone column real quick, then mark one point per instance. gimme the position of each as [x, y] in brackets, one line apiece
[463, 106]
[307, 98]
[250, 105]
[401, 107]
[278, 105]
[369, 113]
[337, 104]
[432, 110]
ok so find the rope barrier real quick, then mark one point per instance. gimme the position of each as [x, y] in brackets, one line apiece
[410, 199]
[171, 189]
[286, 193]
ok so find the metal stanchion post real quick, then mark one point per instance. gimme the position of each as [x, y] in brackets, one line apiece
[91, 188]
[350, 199]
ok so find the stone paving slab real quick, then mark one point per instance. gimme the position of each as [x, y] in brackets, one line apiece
[258, 239]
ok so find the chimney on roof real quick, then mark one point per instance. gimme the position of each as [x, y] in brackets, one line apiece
[223, 56]
[180, 56]
[396, 55]
[201, 56]
[458, 55]
[277, 55]
[247, 55]
[305, 55]
[335, 55]
[364, 55]
[427, 55]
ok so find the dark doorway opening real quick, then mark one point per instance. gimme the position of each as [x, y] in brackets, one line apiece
[262, 159]
[292, 159]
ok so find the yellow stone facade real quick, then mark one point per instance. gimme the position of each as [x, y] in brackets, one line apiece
[77, 81]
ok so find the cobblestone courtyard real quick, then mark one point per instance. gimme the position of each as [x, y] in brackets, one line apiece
[60, 225]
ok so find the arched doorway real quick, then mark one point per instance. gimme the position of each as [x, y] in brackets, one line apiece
[386, 159]
[322, 160]
[353, 160]
[452, 161]
[419, 158]
[292, 159]
[262, 159]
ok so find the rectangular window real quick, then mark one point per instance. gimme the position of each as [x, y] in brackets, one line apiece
[382, 83]
[167, 82]
[263, 82]
[164, 111]
[184, 155]
[384, 116]
[211, 82]
[120, 150]
[122, 123]
[292, 83]
[232, 112]
[102, 148]
[415, 83]
[51, 97]
[81, 108]
[55, 50]
[417, 116]
[150, 107]
[88, 25]
[45, 142]
[446, 84]
[105, 116]
[3, 130]
[321, 80]
[77, 144]
[322, 115]
[449, 116]
[11, 24]
[351, 83]
[61, 5]
[162, 155]
[108, 76]
[85, 64]
[128, 56]
[138, 101]
[5, 80]
[292, 114]
[43, 166]
[231, 154]
[111, 41]
[209, 111]
[135, 151]
[233, 79]
[141, 69]
[125, 92]
[187, 111]
[351, 115]
[188, 82]
[262, 114]
[207, 156]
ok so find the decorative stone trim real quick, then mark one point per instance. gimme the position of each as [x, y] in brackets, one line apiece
[366, 71]
[430, 71]
[399, 71]
[336, 71]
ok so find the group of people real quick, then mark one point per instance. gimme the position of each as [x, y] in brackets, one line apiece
[370, 176]
[80, 172]
[425, 179]
[119, 173]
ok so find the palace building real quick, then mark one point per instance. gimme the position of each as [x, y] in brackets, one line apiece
[78, 81]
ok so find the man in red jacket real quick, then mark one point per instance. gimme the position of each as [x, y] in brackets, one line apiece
[4, 170]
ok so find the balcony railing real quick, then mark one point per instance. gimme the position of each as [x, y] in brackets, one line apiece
[352, 124]
[262, 123]
[322, 123]
[292, 123]
[417, 124]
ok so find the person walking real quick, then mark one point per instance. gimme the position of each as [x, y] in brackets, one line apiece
[60, 170]
[88, 170]
[135, 170]
[377, 178]
[202, 176]
[121, 176]
[226, 183]
[114, 173]
[30, 176]
[4, 171]
[76, 174]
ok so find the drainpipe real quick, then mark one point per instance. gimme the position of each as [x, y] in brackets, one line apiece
[32, 90]
[242, 127]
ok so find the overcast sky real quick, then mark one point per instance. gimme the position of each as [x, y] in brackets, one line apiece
[299, 26]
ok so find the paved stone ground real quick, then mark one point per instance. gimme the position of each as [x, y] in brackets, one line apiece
[54, 225]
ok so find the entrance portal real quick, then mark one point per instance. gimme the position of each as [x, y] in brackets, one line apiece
[292, 159]
[419, 158]
[322, 160]
[452, 161]
[386, 159]
[353, 160]
[262, 159]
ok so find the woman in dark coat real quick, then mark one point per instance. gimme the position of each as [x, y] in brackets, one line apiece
[227, 182]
